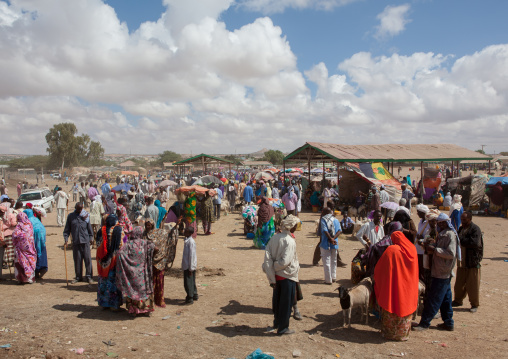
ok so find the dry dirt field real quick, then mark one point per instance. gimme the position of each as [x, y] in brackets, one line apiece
[48, 320]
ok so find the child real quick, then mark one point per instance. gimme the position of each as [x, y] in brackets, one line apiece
[189, 265]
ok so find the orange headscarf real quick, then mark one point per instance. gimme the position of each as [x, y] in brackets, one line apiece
[396, 277]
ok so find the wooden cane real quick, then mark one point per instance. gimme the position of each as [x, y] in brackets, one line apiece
[65, 256]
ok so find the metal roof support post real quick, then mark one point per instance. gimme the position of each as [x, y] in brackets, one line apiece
[489, 168]
[308, 166]
[338, 175]
[284, 173]
[421, 179]
[324, 178]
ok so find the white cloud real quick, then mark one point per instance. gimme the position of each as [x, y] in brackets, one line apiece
[278, 6]
[392, 21]
[196, 86]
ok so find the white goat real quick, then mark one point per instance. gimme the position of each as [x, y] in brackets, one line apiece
[357, 296]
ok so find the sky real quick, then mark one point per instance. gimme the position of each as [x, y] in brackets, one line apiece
[225, 76]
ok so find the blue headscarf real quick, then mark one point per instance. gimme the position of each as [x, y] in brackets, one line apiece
[39, 231]
[444, 218]
[162, 213]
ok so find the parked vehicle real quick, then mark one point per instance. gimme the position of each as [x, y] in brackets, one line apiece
[42, 198]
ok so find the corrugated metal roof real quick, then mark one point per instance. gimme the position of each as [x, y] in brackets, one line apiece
[315, 151]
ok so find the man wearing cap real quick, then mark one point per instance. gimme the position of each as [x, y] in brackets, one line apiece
[439, 297]
[375, 202]
[469, 268]
[281, 267]
[62, 202]
[423, 230]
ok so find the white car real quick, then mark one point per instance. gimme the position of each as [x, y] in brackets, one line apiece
[42, 198]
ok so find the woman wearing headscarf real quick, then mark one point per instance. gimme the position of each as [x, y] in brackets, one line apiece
[109, 241]
[408, 226]
[266, 226]
[456, 211]
[290, 200]
[39, 233]
[231, 196]
[96, 213]
[110, 206]
[376, 251]
[7, 225]
[496, 197]
[134, 273]
[162, 213]
[396, 287]
[207, 213]
[123, 218]
[25, 254]
[165, 248]
[189, 211]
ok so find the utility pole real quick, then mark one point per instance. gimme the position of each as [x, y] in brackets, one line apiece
[482, 148]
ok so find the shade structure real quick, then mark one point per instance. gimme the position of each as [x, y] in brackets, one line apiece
[263, 176]
[326, 152]
[166, 183]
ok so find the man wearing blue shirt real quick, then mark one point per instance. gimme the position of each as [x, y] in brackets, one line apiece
[217, 201]
[248, 193]
[330, 231]
[105, 188]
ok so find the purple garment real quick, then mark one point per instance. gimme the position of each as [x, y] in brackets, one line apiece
[134, 269]
[171, 217]
[92, 192]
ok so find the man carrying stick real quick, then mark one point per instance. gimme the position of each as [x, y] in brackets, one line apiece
[82, 236]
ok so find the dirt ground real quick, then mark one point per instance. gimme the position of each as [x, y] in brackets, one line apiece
[50, 319]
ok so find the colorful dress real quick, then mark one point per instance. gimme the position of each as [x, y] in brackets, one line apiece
[25, 254]
[165, 251]
[190, 213]
[40, 243]
[109, 241]
[264, 233]
[134, 273]
[123, 220]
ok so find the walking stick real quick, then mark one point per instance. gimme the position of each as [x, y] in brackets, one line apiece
[65, 256]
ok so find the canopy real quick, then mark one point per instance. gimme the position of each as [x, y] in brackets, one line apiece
[494, 180]
[325, 152]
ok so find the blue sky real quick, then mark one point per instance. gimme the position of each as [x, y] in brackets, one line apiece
[255, 73]
[456, 27]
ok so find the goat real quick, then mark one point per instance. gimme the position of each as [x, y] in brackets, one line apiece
[357, 296]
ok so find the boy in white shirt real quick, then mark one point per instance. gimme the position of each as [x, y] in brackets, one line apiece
[189, 266]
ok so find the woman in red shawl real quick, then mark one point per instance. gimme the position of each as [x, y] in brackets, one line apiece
[26, 255]
[396, 287]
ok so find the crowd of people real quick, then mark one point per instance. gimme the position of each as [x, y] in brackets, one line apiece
[133, 232]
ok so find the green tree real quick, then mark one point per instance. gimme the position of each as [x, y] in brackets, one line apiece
[35, 162]
[95, 153]
[167, 156]
[481, 151]
[503, 153]
[274, 156]
[65, 147]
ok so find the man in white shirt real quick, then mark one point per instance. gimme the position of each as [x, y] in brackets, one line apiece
[371, 232]
[423, 230]
[281, 267]
[75, 192]
[62, 202]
